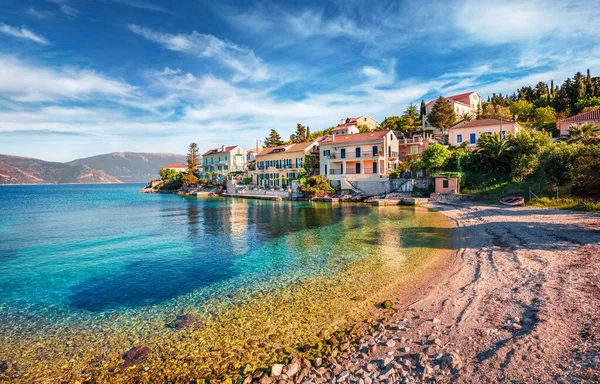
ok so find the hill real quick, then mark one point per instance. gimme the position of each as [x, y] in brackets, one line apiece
[26, 170]
[130, 167]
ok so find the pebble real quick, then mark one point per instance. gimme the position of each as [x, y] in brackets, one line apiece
[391, 343]
[277, 369]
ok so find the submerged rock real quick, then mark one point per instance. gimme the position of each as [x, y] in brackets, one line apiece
[136, 355]
[185, 321]
[387, 304]
[5, 365]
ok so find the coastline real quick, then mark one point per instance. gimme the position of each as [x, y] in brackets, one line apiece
[517, 302]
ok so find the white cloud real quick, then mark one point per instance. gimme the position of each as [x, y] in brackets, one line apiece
[244, 63]
[66, 8]
[22, 33]
[519, 21]
[25, 82]
[38, 14]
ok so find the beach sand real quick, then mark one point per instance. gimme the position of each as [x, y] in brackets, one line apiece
[519, 302]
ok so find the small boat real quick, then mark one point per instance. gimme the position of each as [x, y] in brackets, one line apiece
[513, 201]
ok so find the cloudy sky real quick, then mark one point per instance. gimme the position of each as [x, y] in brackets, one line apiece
[84, 77]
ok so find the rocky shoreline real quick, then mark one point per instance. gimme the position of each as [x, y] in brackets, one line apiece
[519, 303]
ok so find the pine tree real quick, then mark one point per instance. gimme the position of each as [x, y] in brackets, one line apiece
[193, 158]
[308, 133]
[273, 140]
[442, 115]
[423, 108]
[300, 136]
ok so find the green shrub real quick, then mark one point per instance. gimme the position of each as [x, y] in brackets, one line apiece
[317, 186]
[247, 180]
[171, 185]
[189, 179]
[169, 174]
[586, 172]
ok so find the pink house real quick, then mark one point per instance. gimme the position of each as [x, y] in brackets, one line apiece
[591, 117]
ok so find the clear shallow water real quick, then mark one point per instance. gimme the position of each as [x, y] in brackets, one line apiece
[106, 268]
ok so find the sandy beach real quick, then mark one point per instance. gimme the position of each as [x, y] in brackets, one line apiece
[519, 302]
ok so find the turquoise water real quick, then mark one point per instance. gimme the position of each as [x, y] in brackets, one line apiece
[105, 264]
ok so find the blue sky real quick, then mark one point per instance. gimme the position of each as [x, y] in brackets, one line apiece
[84, 77]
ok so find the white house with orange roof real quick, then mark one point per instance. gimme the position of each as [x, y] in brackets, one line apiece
[179, 167]
[465, 103]
[355, 123]
[470, 131]
[224, 160]
[591, 117]
[368, 155]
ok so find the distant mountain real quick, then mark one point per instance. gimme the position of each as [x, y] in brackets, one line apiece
[25, 170]
[131, 167]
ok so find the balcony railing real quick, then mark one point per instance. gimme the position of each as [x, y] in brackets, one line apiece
[338, 156]
[335, 172]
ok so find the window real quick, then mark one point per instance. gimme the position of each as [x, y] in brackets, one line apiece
[375, 150]
[459, 139]
[414, 149]
[343, 153]
[503, 134]
[473, 138]
[357, 152]
[225, 158]
[327, 152]
[325, 168]
[445, 184]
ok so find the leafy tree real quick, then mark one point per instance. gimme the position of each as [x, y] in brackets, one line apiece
[273, 140]
[556, 163]
[493, 153]
[442, 115]
[593, 102]
[586, 172]
[544, 115]
[462, 159]
[526, 148]
[168, 174]
[435, 157]
[300, 135]
[364, 128]
[584, 133]
[189, 179]
[410, 120]
[494, 111]
[317, 186]
[522, 109]
[193, 158]
[392, 122]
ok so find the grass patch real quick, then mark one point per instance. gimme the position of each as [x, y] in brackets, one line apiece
[566, 203]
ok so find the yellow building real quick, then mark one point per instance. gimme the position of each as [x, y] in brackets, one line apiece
[275, 164]
[470, 131]
[224, 160]
[368, 155]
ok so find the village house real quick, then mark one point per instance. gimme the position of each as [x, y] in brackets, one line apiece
[413, 145]
[351, 123]
[470, 131]
[277, 165]
[179, 167]
[591, 117]
[465, 103]
[224, 160]
[368, 155]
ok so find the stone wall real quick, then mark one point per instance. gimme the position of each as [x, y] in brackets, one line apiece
[449, 197]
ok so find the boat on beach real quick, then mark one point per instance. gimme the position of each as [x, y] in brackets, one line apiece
[513, 201]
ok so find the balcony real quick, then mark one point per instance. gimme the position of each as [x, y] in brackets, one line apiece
[335, 172]
[352, 155]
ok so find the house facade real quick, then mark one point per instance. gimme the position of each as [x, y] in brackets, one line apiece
[179, 167]
[275, 166]
[465, 103]
[413, 146]
[368, 155]
[591, 117]
[470, 131]
[358, 121]
[224, 160]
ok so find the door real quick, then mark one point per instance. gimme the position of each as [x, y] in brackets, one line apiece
[375, 167]
[358, 168]
[343, 153]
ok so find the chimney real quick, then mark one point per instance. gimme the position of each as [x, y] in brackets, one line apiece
[222, 148]
[332, 137]
[343, 121]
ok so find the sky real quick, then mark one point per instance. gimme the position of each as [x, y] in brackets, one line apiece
[85, 77]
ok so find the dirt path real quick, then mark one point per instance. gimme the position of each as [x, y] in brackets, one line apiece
[519, 303]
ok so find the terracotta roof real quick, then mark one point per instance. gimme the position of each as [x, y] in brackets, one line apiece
[343, 126]
[175, 165]
[357, 137]
[217, 150]
[464, 98]
[482, 123]
[586, 116]
[287, 148]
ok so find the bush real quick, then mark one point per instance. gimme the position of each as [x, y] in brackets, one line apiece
[556, 164]
[203, 181]
[526, 148]
[586, 172]
[317, 186]
[171, 185]
[189, 179]
[435, 157]
[169, 174]
[247, 180]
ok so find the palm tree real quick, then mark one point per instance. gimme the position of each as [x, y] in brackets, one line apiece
[467, 116]
[583, 133]
[493, 152]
